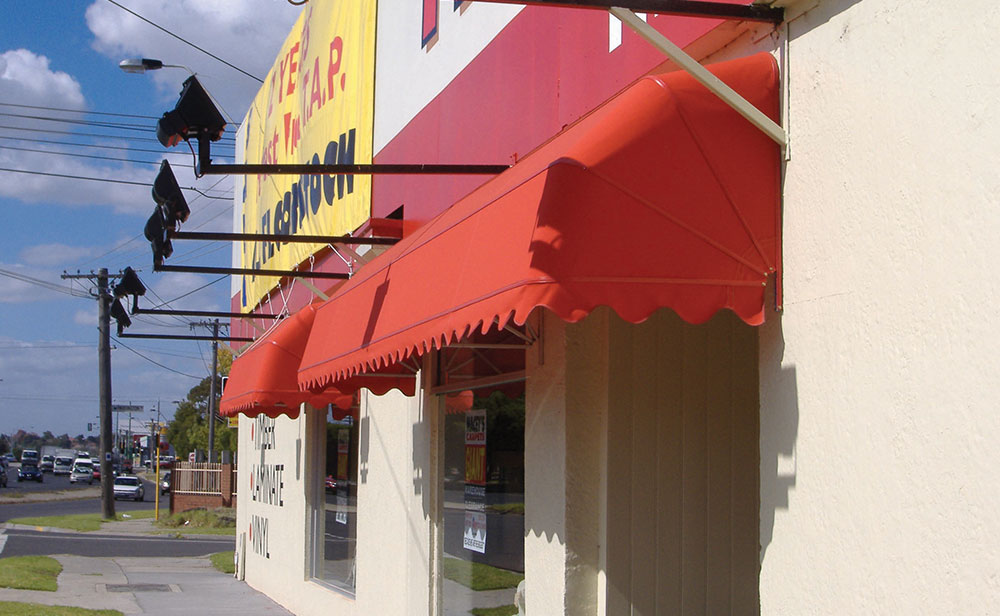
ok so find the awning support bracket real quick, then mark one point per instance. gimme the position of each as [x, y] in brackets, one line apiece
[729, 96]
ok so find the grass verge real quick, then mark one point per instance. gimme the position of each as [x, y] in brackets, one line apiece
[503, 610]
[29, 573]
[14, 608]
[478, 576]
[223, 561]
[221, 521]
[84, 522]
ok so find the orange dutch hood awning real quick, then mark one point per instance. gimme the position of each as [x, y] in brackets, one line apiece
[662, 197]
[263, 379]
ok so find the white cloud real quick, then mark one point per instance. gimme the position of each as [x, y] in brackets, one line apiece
[86, 317]
[25, 77]
[48, 255]
[245, 33]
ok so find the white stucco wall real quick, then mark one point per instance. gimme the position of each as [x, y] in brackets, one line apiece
[394, 525]
[879, 423]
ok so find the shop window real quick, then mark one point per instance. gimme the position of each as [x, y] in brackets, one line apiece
[336, 519]
[483, 560]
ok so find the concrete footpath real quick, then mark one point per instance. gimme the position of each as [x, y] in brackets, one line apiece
[147, 585]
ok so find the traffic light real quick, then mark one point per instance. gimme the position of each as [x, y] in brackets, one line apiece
[194, 116]
[169, 198]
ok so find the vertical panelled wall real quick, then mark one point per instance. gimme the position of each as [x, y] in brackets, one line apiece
[682, 475]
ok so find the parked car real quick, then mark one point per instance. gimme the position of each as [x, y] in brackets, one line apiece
[29, 472]
[82, 473]
[62, 465]
[129, 486]
[47, 463]
[3, 476]
[9, 457]
[96, 472]
[165, 483]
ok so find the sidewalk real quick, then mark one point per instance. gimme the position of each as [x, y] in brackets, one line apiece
[147, 585]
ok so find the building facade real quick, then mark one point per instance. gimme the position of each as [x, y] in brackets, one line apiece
[660, 365]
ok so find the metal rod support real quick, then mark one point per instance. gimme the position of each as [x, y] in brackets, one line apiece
[489, 381]
[182, 337]
[247, 271]
[357, 169]
[276, 237]
[204, 313]
[684, 8]
[729, 96]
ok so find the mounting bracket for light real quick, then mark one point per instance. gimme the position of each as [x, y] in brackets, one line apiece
[683, 8]
[205, 166]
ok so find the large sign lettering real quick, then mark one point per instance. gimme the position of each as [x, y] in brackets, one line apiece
[316, 106]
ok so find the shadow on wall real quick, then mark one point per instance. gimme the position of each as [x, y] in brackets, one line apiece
[779, 428]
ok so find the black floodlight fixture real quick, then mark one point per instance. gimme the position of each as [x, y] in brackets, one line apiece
[119, 314]
[169, 198]
[194, 116]
[130, 285]
[156, 233]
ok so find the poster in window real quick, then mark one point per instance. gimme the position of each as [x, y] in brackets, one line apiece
[474, 537]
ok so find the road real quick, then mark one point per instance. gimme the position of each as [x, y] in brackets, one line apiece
[24, 541]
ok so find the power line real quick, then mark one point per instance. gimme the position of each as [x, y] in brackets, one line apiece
[93, 156]
[128, 348]
[83, 111]
[67, 132]
[113, 181]
[121, 125]
[90, 145]
[186, 42]
[44, 284]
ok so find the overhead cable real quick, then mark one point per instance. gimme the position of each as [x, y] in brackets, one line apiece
[186, 42]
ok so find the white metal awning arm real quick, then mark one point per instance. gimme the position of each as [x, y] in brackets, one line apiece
[728, 95]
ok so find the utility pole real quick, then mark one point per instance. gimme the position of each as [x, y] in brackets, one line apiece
[104, 379]
[211, 384]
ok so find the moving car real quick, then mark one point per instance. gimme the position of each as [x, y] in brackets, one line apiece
[29, 456]
[62, 465]
[3, 475]
[82, 473]
[129, 486]
[165, 483]
[29, 472]
[47, 463]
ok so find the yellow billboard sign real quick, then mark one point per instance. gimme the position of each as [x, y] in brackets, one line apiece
[316, 106]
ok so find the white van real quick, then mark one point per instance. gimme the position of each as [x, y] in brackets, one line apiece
[62, 465]
[30, 456]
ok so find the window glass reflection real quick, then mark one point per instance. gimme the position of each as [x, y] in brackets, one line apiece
[338, 520]
[484, 504]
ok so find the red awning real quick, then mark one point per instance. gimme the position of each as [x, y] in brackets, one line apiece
[663, 197]
[263, 379]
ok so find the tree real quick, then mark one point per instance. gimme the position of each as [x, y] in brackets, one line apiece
[188, 431]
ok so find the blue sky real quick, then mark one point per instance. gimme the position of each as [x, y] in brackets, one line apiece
[64, 54]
